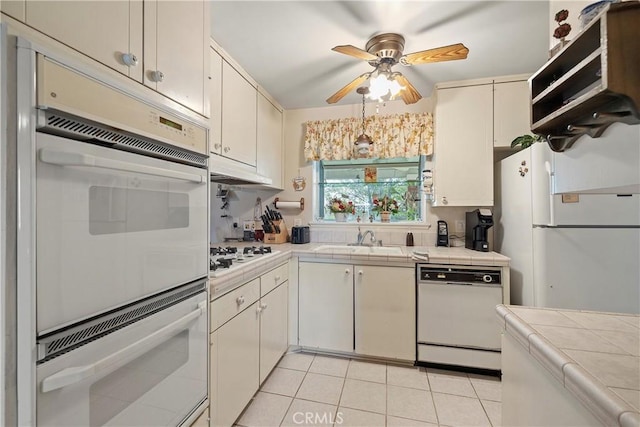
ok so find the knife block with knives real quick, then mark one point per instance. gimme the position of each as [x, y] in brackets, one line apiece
[279, 237]
[275, 230]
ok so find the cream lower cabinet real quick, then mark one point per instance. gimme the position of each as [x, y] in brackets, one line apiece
[384, 315]
[273, 328]
[385, 312]
[235, 356]
[325, 306]
[249, 335]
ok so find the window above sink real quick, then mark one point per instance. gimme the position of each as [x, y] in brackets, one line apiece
[362, 181]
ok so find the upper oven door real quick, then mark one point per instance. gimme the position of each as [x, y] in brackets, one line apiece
[112, 227]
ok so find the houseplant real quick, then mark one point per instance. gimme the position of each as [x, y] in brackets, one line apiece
[341, 208]
[385, 206]
[525, 141]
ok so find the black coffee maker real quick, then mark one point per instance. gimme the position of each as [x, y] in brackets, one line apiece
[477, 224]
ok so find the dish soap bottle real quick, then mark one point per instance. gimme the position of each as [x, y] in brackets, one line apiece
[409, 239]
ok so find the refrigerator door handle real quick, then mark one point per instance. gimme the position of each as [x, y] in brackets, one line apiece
[552, 210]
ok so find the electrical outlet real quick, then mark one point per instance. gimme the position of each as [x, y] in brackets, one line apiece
[460, 226]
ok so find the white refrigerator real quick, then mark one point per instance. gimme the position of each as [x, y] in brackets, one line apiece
[581, 252]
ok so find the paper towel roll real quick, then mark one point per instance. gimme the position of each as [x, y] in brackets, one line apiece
[288, 205]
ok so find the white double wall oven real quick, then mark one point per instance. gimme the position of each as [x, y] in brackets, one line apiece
[112, 249]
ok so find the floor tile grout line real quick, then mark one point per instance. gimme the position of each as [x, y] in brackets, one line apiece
[298, 389]
[486, 414]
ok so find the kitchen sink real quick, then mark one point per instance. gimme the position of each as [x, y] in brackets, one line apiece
[360, 250]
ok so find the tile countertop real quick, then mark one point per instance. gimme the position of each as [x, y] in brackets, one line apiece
[596, 356]
[225, 282]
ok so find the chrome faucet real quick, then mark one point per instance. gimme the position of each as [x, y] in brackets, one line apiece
[362, 236]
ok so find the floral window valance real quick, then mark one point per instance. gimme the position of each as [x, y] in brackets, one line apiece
[397, 135]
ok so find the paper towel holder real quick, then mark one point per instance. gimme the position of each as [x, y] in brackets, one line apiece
[300, 202]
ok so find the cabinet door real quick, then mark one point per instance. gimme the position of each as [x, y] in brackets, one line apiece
[326, 306]
[385, 312]
[273, 328]
[463, 174]
[215, 97]
[269, 146]
[239, 100]
[175, 51]
[234, 366]
[102, 30]
[511, 107]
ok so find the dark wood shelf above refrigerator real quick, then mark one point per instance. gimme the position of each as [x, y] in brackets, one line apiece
[592, 82]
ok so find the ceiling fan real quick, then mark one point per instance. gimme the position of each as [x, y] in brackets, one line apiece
[383, 52]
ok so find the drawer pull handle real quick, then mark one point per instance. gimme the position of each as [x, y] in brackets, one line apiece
[240, 300]
[277, 278]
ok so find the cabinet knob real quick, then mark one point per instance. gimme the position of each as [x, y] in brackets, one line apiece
[263, 306]
[347, 271]
[226, 149]
[129, 59]
[444, 200]
[157, 76]
[216, 146]
[240, 300]
[360, 273]
[277, 278]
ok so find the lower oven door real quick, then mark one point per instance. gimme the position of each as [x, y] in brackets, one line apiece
[152, 372]
[458, 315]
[112, 227]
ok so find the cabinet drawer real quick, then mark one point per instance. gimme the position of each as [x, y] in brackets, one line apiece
[273, 278]
[227, 306]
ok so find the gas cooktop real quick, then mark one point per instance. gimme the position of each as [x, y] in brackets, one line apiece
[222, 260]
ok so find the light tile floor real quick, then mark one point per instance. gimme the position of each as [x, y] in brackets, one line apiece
[316, 390]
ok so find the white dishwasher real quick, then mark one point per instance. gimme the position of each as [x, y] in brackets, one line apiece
[456, 323]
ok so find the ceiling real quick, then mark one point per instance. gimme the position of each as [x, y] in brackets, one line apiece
[286, 45]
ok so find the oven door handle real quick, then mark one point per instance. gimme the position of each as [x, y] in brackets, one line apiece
[75, 374]
[67, 158]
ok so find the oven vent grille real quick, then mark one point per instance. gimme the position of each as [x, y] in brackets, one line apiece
[86, 130]
[56, 344]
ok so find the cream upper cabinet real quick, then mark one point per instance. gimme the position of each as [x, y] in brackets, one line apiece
[269, 143]
[463, 153]
[215, 97]
[511, 112]
[175, 49]
[108, 31]
[385, 312]
[239, 107]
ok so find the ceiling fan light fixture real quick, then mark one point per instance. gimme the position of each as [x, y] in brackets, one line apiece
[382, 85]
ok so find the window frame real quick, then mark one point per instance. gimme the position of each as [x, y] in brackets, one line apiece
[319, 187]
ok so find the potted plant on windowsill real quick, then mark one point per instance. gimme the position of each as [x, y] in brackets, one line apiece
[385, 206]
[341, 208]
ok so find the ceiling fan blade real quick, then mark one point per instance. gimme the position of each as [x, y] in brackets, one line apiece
[350, 50]
[348, 88]
[409, 94]
[439, 54]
